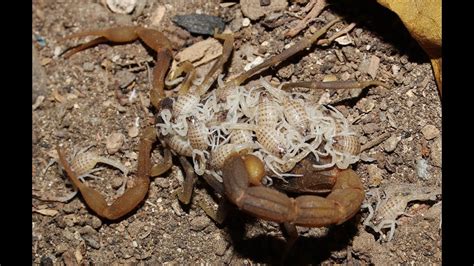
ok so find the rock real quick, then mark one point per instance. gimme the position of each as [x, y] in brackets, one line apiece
[199, 223]
[176, 208]
[434, 212]
[363, 243]
[61, 248]
[436, 156]
[139, 229]
[220, 245]
[69, 220]
[245, 22]
[422, 169]
[253, 10]
[366, 105]
[95, 222]
[287, 71]
[373, 66]
[124, 78]
[430, 132]
[375, 175]
[391, 143]
[88, 67]
[370, 128]
[162, 182]
[116, 182]
[121, 6]
[114, 142]
[200, 23]
[90, 236]
[72, 207]
[46, 260]
[133, 131]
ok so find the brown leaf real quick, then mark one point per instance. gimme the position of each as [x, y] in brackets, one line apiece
[423, 21]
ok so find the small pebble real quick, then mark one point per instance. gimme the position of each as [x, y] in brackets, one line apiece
[286, 71]
[253, 10]
[124, 78]
[366, 105]
[395, 70]
[61, 248]
[370, 128]
[135, 227]
[430, 132]
[114, 142]
[162, 182]
[121, 6]
[116, 182]
[375, 175]
[176, 208]
[69, 220]
[72, 207]
[344, 40]
[200, 23]
[199, 223]
[133, 131]
[88, 66]
[245, 22]
[436, 152]
[220, 245]
[422, 169]
[91, 236]
[391, 143]
[95, 222]
[373, 66]
[46, 260]
[363, 243]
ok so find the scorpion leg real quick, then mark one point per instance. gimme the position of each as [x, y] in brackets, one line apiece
[293, 234]
[189, 180]
[217, 68]
[311, 211]
[159, 169]
[152, 38]
[188, 68]
[132, 197]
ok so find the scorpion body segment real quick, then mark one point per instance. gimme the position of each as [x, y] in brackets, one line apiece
[347, 144]
[185, 105]
[198, 134]
[180, 145]
[296, 115]
[267, 113]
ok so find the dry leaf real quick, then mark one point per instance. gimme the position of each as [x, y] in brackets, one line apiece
[198, 53]
[423, 21]
[47, 212]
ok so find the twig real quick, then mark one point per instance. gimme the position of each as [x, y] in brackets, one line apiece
[318, 6]
[336, 35]
[374, 142]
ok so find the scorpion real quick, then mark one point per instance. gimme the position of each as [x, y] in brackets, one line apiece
[238, 138]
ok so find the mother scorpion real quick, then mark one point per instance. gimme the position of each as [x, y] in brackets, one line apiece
[243, 148]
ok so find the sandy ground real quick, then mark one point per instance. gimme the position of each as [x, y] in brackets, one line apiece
[85, 100]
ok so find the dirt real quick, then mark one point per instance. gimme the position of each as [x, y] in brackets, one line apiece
[84, 100]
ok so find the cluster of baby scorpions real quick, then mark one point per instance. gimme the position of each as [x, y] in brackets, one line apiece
[239, 137]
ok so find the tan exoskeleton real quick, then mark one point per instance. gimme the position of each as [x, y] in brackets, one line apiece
[231, 147]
